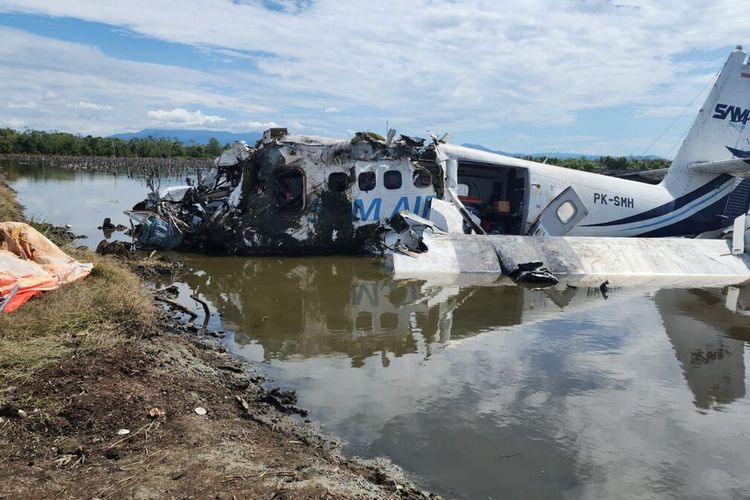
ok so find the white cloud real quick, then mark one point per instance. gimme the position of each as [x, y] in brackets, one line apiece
[181, 116]
[71, 78]
[332, 110]
[91, 106]
[439, 63]
[261, 126]
[535, 61]
[12, 123]
[23, 105]
[666, 111]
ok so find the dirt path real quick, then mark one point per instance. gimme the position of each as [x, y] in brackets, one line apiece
[62, 431]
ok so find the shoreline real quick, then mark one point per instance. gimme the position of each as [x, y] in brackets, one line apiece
[200, 421]
[130, 166]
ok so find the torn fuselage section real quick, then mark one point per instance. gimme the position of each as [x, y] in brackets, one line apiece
[293, 194]
[172, 217]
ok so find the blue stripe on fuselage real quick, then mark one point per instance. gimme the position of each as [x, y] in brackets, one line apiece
[706, 219]
[671, 206]
[689, 213]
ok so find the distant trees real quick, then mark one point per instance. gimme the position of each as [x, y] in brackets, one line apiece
[605, 163]
[61, 143]
[213, 148]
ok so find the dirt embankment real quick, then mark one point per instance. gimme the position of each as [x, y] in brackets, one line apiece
[63, 433]
[103, 394]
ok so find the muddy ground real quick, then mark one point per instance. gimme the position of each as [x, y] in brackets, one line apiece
[63, 431]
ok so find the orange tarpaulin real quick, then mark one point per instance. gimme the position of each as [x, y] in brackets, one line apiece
[33, 263]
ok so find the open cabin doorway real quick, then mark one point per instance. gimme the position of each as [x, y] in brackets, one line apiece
[496, 194]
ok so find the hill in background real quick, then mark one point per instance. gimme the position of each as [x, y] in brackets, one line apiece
[564, 156]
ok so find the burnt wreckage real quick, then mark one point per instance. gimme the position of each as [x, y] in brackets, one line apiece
[295, 194]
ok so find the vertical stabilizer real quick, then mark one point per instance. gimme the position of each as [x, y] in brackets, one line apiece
[720, 131]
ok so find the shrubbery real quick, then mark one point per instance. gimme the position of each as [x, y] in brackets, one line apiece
[61, 143]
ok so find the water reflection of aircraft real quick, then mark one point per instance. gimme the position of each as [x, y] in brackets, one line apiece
[314, 307]
[709, 340]
[318, 307]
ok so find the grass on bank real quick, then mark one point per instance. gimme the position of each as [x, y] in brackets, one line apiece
[10, 209]
[104, 309]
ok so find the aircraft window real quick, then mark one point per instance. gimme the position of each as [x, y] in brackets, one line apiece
[422, 178]
[392, 179]
[366, 181]
[566, 211]
[291, 190]
[463, 190]
[389, 321]
[338, 182]
[363, 322]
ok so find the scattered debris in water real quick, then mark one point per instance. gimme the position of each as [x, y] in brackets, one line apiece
[119, 248]
[604, 289]
[533, 272]
[127, 166]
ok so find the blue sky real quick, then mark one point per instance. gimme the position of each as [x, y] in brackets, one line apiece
[591, 76]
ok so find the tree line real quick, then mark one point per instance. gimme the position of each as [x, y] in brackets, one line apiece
[65, 144]
[606, 163]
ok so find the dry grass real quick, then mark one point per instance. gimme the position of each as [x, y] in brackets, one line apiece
[10, 209]
[103, 310]
[110, 295]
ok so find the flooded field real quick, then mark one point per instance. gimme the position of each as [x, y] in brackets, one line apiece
[477, 388]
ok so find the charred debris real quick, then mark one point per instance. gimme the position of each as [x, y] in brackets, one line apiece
[294, 194]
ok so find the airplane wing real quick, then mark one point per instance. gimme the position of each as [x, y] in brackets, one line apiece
[738, 167]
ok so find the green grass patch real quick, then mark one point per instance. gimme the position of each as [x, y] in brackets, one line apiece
[10, 209]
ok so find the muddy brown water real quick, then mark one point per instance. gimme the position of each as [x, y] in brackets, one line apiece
[476, 388]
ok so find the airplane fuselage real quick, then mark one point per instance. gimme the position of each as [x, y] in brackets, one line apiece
[615, 206]
[621, 207]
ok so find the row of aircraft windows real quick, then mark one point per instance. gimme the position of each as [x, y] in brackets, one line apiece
[291, 184]
[339, 181]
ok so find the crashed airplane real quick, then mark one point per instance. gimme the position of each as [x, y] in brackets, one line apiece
[295, 195]
[292, 194]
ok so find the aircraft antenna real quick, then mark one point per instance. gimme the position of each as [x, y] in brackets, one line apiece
[679, 140]
[681, 113]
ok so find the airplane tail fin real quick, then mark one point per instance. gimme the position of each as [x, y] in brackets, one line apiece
[719, 134]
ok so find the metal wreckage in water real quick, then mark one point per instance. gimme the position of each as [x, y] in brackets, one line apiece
[428, 206]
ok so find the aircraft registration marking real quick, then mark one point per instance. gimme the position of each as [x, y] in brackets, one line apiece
[616, 201]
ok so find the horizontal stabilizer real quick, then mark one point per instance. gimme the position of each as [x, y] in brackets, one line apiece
[738, 167]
